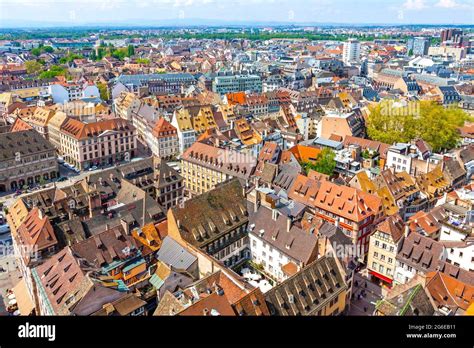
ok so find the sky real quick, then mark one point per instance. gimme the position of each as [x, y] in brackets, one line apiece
[80, 12]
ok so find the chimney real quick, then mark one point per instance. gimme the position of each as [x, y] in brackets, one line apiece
[336, 223]
[205, 312]
[40, 213]
[274, 214]
[125, 226]
[407, 231]
[288, 223]
[178, 223]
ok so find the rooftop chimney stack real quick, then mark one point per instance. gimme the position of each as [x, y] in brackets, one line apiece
[274, 214]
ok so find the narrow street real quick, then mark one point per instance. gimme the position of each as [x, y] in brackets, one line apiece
[365, 295]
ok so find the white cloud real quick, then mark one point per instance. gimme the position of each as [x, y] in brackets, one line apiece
[447, 4]
[453, 4]
[414, 4]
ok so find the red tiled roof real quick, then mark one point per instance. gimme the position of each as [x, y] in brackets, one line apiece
[163, 129]
[347, 202]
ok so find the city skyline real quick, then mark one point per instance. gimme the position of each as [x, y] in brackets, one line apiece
[24, 13]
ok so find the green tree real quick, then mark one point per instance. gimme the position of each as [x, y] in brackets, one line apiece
[48, 49]
[144, 61]
[325, 162]
[389, 123]
[53, 71]
[70, 57]
[104, 91]
[36, 51]
[437, 125]
[130, 50]
[33, 67]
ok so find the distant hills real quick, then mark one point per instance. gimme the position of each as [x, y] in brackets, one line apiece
[195, 22]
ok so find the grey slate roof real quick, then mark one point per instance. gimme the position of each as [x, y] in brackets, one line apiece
[172, 253]
[141, 79]
[296, 243]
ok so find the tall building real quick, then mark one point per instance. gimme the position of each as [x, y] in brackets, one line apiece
[237, 83]
[452, 36]
[163, 139]
[351, 51]
[421, 46]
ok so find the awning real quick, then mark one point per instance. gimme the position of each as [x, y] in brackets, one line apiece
[25, 304]
[378, 275]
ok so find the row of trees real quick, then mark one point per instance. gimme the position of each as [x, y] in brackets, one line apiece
[41, 49]
[111, 51]
[391, 122]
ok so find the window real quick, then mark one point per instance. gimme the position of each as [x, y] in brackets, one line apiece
[376, 255]
[374, 265]
[381, 268]
[390, 260]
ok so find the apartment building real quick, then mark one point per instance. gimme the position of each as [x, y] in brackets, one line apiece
[383, 247]
[26, 158]
[186, 134]
[355, 212]
[154, 83]
[125, 104]
[205, 166]
[237, 83]
[105, 142]
[342, 124]
[215, 222]
[54, 129]
[417, 254]
[163, 140]
[68, 91]
[279, 244]
[168, 184]
[39, 120]
[318, 290]
[34, 242]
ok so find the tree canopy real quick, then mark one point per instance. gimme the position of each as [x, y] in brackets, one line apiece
[392, 122]
[104, 92]
[55, 70]
[325, 162]
[33, 67]
[38, 50]
[70, 57]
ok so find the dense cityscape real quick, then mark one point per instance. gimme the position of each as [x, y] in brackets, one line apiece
[237, 171]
